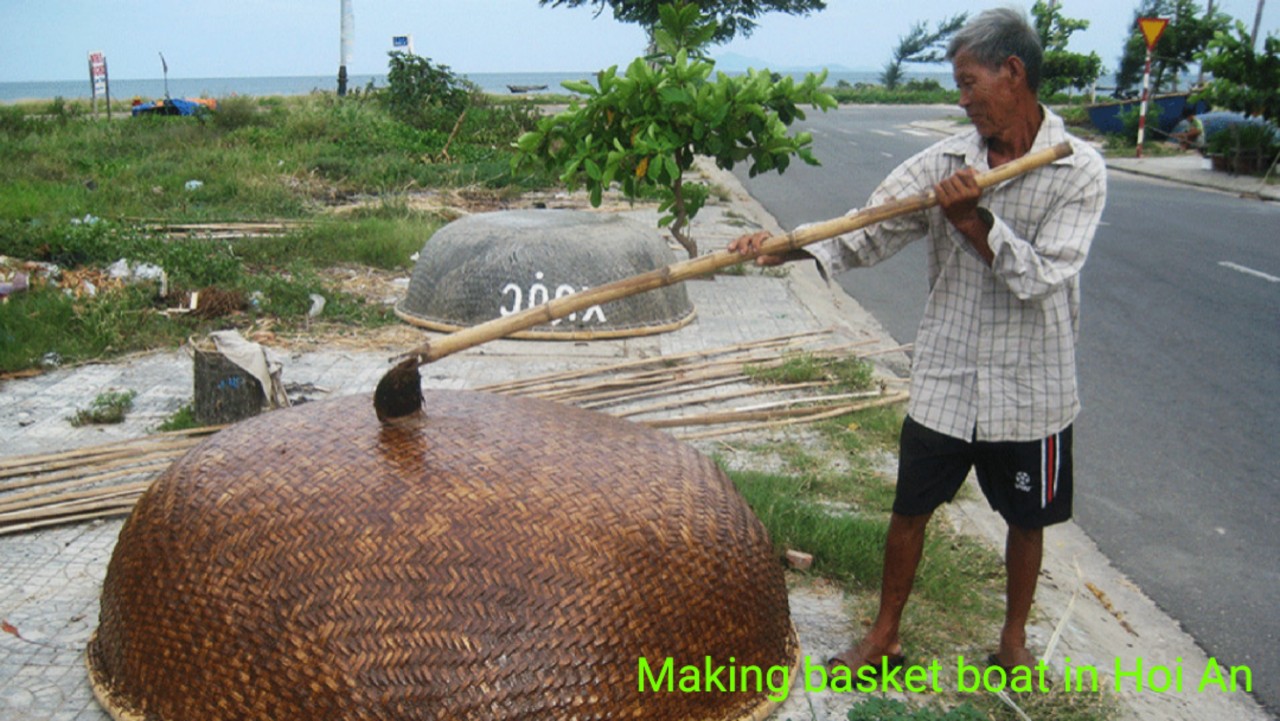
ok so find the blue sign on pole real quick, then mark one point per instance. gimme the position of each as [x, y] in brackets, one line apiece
[402, 42]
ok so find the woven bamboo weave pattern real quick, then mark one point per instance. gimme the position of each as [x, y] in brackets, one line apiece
[497, 558]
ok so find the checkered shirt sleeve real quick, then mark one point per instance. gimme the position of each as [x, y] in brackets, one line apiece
[995, 354]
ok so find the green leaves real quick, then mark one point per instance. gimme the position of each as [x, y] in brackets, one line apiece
[1244, 79]
[643, 129]
[1062, 68]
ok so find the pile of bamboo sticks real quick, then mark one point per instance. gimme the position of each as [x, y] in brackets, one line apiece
[95, 482]
[710, 379]
[695, 390]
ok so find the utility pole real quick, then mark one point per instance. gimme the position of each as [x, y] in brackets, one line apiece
[344, 49]
[1257, 21]
[1208, 15]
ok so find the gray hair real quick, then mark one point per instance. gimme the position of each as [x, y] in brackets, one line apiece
[997, 34]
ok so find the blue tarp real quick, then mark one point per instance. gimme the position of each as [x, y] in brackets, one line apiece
[175, 106]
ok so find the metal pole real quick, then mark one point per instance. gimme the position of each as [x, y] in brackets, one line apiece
[1257, 21]
[106, 85]
[1146, 93]
[1208, 16]
[344, 48]
[93, 89]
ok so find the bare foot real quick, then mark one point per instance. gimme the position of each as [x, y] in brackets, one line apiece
[867, 653]
[1011, 658]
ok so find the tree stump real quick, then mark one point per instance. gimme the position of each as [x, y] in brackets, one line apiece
[223, 391]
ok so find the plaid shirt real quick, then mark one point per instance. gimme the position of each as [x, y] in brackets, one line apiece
[995, 353]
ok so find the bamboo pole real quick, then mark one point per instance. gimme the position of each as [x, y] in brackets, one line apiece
[121, 510]
[699, 386]
[811, 399]
[711, 419]
[119, 468]
[506, 386]
[718, 432]
[74, 495]
[437, 348]
[654, 377]
[88, 451]
[754, 391]
[116, 494]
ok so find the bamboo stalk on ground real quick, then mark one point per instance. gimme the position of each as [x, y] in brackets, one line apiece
[711, 419]
[701, 385]
[506, 386]
[112, 463]
[81, 502]
[755, 391]
[122, 509]
[105, 448]
[811, 399]
[768, 425]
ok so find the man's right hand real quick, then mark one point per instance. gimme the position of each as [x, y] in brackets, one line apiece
[749, 245]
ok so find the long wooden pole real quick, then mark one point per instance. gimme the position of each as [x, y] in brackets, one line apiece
[438, 348]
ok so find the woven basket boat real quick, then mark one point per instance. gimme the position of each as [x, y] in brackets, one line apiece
[496, 558]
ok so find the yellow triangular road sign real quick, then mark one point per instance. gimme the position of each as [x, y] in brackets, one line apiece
[1152, 29]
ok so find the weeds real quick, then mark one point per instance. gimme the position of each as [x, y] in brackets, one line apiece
[846, 374]
[109, 407]
[883, 709]
[182, 420]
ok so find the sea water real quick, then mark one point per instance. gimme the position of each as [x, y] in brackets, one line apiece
[150, 89]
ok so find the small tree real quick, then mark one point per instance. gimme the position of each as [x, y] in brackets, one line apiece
[1062, 68]
[423, 94]
[920, 45]
[643, 129]
[1244, 79]
[732, 17]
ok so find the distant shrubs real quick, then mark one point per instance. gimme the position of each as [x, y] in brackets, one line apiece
[14, 121]
[235, 112]
[913, 92]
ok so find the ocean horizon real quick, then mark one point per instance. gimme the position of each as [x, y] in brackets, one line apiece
[152, 88]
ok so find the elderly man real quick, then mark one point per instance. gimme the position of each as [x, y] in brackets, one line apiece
[993, 376]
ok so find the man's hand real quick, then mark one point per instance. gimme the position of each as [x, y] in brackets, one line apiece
[750, 245]
[958, 196]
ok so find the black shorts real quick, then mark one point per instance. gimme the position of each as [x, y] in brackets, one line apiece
[1028, 483]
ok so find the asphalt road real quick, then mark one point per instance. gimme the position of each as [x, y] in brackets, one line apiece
[1179, 368]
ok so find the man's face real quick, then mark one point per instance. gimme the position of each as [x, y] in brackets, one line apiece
[986, 94]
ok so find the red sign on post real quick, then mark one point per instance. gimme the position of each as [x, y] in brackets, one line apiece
[98, 72]
[99, 81]
[1152, 29]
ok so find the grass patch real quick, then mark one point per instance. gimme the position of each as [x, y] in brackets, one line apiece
[885, 709]
[109, 407]
[46, 327]
[183, 419]
[79, 193]
[845, 547]
[846, 374]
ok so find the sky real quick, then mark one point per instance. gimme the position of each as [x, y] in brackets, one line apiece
[47, 40]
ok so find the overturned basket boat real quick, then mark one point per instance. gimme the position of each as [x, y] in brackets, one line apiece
[496, 558]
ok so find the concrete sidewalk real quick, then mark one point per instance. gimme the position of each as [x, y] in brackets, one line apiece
[53, 576]
[1193, 169]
